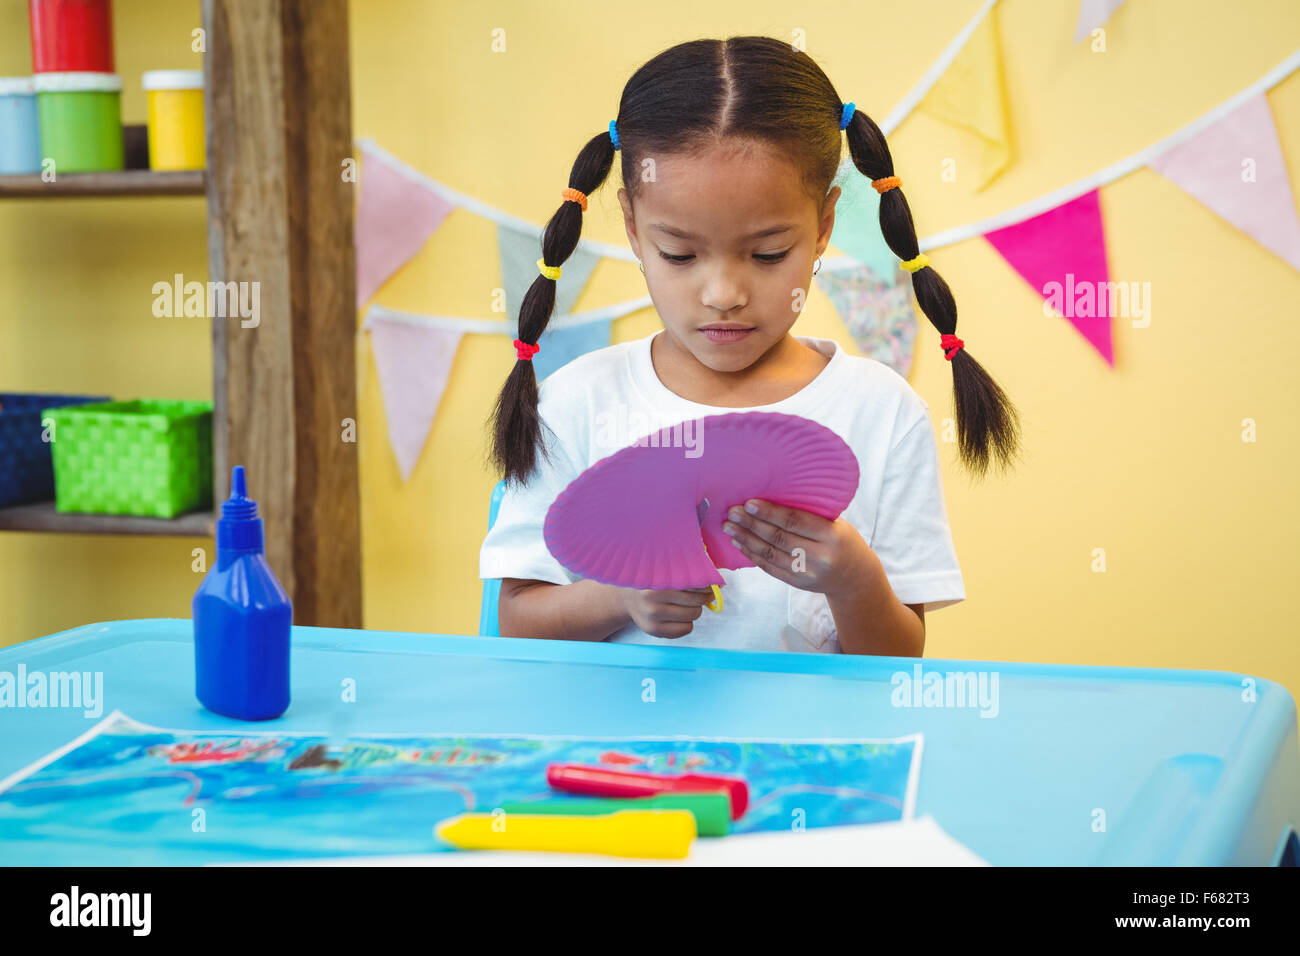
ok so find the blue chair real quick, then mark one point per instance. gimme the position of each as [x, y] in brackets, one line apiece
[488, 625]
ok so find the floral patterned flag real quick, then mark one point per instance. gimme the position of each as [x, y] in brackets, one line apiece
[877, 313]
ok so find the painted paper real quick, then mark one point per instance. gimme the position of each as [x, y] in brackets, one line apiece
[127, 793]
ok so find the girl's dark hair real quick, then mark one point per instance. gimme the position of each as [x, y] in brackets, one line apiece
[759, 89]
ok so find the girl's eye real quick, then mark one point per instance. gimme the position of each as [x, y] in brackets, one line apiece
[774, 257]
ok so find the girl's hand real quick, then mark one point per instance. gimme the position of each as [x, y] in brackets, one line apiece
[665, 613]
[800, 548]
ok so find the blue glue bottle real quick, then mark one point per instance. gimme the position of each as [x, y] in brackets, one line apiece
[242, 617]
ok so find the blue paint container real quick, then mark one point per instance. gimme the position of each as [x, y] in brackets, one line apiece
[242, 619]
[20, 130]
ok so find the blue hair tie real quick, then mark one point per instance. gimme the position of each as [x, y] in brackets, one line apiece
[846, 115]
[613, 132]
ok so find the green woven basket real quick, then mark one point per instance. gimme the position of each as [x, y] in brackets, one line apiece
[148, 457]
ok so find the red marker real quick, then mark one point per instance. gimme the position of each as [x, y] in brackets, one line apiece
[602, 782]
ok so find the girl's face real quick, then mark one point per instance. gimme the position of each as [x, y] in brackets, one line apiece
[728, 239]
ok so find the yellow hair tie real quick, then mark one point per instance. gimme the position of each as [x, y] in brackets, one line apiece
[551, 272]
[920, 262]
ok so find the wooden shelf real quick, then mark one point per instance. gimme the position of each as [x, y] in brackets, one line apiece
[277, 120]
[127, 182]
[41, 516]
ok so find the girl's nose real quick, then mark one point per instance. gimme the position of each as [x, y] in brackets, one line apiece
[724, 291]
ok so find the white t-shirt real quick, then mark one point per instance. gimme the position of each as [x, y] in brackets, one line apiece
[606, 399]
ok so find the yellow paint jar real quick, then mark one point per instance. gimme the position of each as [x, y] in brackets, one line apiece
[175, 118]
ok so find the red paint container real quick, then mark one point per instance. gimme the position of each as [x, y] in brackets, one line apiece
[72, 36]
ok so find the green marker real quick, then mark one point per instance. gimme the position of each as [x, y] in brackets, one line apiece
[712, 811]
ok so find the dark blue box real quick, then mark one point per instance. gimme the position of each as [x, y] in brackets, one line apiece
[26, 471]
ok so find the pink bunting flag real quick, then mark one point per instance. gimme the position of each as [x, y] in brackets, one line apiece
[414, 363]
[395, 216]
[1062, 254]
[1235, 167]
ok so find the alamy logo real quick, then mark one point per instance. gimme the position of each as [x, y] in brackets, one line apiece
[1087, 299]
[946, 689]
[620, 427]
[216, 300]
[55, 689]
[102, 909]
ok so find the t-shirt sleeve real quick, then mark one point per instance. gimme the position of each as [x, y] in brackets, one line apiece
[911, 534]
[514, 546]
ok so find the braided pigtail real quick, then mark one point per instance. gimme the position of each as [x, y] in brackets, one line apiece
[987, 424]
[516, 423]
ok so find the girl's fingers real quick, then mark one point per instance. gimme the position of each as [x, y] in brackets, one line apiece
[751, 545]
[769, 519]
[689, 597]
[679, 613]
[766, 557]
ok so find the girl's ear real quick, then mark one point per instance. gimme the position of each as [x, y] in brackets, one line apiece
[629, 221]
[827, 222]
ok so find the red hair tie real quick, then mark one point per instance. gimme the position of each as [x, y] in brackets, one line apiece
[950, 344]
[525, 352]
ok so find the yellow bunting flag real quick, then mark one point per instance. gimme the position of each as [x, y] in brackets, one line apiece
[971, 96]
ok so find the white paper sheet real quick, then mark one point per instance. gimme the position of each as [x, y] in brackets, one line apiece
[920, 842]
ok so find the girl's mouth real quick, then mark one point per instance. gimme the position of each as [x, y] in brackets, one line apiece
[726, 335]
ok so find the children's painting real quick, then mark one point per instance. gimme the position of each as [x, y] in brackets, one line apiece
[127, 793]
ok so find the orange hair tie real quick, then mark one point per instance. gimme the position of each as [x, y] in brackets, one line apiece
[571, 194]
[886, 184]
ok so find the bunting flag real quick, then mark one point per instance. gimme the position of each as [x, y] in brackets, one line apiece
[857, 223]
[562, 344]
[395, 217]
[971, 96]
[867, 290]
[877, 313]
[931, 76]
[1093, 14]
[519, 252]
[414, 354]
[1062, 254]
[414, 363]
[1229, 159]
[1235, 167]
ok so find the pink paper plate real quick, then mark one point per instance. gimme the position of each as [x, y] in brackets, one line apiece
[632, 519]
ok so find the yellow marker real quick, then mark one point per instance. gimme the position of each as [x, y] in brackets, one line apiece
[655, 834]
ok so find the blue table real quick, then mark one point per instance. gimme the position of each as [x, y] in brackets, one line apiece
[1184, 770]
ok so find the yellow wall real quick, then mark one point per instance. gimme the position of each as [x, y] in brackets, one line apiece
[1144, 460]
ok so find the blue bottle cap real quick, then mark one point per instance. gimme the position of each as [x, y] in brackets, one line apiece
[239, 528]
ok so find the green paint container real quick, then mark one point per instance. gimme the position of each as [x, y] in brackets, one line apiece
[81, 120]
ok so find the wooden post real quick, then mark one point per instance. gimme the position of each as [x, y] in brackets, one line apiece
[278, 112]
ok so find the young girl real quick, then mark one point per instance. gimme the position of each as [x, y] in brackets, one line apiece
[729, 148]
